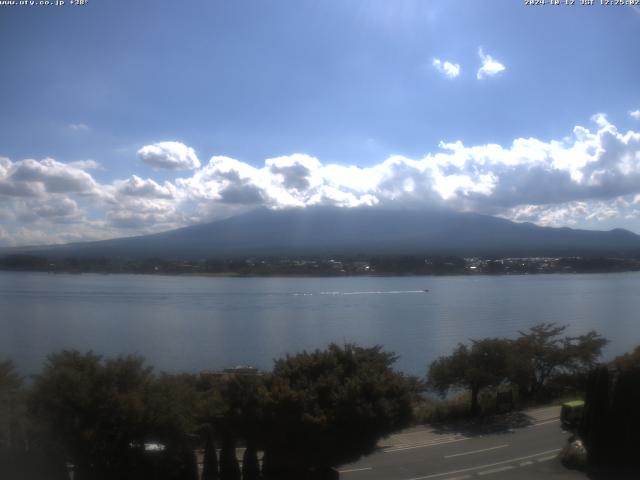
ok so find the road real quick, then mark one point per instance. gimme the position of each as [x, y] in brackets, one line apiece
[523, 446]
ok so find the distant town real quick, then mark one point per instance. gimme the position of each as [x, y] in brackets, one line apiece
[326, 266]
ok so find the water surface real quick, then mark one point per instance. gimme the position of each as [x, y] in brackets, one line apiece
[195, 323]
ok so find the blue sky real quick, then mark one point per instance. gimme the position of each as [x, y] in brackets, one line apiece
[110, 112]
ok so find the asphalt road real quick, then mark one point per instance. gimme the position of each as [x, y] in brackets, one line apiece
[523, 446]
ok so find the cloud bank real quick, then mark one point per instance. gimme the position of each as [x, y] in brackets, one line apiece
[591, 175]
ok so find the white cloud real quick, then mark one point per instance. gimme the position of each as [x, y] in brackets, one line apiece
[225, 180]
[140, 221]
[490, 66]
[592, 213]
[139, 205]
[20, 189]
[170, 156]
[78, 127]
[591, 164]
[450, 70]
[53, 176]
[137, 187]
[86, 165]
[635, 114]
[591, 175]
[296, 180]
[57, 209]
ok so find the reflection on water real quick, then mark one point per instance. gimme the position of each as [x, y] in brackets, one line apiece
[195, 323]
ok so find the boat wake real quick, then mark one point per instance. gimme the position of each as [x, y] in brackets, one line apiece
[376, 292]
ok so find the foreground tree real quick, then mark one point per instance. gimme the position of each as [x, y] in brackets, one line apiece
[94, 409]
[250, 464]
[170, 407]
[13, 442]
[480, 365]
[229, 467]
[628, 361]
[328, 407]
[24, 451]
[210, 458]
[11, 412]
[542, 353]
[234, 409]
[103, 412]
[612, 418]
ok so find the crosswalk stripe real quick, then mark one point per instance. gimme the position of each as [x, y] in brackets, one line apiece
[423, 445]
[436, 439]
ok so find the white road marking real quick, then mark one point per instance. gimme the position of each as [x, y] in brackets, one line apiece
[476, 451]
[496, 470]
[546, 459]
[407, 441]
[544, 423]
[479, 467]
[351, 470]
[528, 462]
[423, 445]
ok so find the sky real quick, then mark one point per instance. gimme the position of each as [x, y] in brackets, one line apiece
[120, 118]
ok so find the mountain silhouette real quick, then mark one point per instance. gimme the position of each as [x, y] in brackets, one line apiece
[343, 231]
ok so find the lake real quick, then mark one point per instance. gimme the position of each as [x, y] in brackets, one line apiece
[186, 323]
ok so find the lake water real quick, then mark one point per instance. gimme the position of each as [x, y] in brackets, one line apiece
[198, 323]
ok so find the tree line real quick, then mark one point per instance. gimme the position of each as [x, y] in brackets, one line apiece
[540, 364]
[357, 264]
[543, 364]
[116, 418]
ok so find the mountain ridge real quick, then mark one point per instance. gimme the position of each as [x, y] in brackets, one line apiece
[322, 231]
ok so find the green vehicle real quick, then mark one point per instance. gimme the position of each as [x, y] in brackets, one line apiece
[571, 414]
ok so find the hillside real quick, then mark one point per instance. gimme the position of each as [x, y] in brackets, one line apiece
[333, 231]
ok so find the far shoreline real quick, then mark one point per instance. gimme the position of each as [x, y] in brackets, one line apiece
[338, 266]
[301, 275]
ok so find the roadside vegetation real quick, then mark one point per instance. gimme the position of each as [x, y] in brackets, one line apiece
[106, 418]
[115, 418]
[539, 366]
